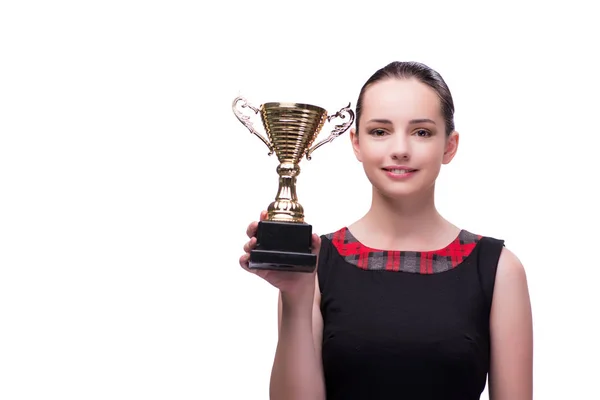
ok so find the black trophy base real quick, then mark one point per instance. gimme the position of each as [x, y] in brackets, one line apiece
[283, 246]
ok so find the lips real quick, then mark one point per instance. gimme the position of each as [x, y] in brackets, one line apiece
[399, 170]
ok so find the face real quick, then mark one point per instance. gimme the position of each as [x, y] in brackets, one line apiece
[402, 142]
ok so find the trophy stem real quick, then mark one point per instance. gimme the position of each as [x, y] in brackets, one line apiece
[286, 208]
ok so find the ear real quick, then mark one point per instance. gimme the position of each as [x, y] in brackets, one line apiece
[355, 144]
[451, 147]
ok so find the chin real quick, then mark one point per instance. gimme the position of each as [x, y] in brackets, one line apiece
[397, 193]
[398, 190]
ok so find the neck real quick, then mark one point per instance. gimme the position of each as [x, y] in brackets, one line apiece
[405, 218]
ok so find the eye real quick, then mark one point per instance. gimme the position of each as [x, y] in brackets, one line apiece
[377, 132]
[423, 133]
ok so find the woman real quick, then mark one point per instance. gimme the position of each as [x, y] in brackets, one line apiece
[404, 304]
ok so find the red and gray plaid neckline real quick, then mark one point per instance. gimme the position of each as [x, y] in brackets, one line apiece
[420, 262]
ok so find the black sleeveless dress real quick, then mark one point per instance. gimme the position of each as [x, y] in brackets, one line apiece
[406, 325]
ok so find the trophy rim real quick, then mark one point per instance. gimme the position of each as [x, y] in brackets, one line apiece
[283, 104]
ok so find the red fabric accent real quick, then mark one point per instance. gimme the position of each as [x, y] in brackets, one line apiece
[393, 261]
[349, 247]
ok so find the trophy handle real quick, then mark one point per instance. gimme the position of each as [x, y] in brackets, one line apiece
[337, 131]
[245, 120]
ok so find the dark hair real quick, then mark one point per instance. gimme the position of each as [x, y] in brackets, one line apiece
[421, 72]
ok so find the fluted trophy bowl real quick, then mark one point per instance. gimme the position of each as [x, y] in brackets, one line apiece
[292, 128]
[284, 238]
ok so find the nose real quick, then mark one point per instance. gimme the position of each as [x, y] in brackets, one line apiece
[400, 147]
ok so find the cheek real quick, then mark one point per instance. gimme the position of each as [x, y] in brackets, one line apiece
[371, 152]
[432, 153]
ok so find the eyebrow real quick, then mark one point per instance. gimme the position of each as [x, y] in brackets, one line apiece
[412, 121]
[421, 120]
[380, 121]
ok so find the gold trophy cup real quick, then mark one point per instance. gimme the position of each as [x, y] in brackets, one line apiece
[284, 238]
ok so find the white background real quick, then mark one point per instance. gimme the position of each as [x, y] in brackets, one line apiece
[126, 182]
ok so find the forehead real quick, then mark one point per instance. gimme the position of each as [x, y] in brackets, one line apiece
[399, 99]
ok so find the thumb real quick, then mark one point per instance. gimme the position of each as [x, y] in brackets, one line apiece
[263, 215]
[316, 244]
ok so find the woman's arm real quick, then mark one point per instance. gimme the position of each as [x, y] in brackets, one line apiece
[297, 370]
[511, 369]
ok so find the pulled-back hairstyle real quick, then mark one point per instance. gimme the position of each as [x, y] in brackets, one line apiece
[421, 72]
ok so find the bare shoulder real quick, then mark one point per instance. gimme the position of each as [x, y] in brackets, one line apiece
[511, 332]
[511, 267]
[511, 303]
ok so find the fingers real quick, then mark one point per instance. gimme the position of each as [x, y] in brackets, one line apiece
[251, 230]
[250, 245]
[244, 260]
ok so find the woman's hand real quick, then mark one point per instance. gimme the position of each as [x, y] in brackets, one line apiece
[286, 281]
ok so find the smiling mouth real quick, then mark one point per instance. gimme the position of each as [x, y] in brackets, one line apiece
[399, 170]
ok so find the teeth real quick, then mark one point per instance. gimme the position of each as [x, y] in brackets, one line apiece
[400, 171]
